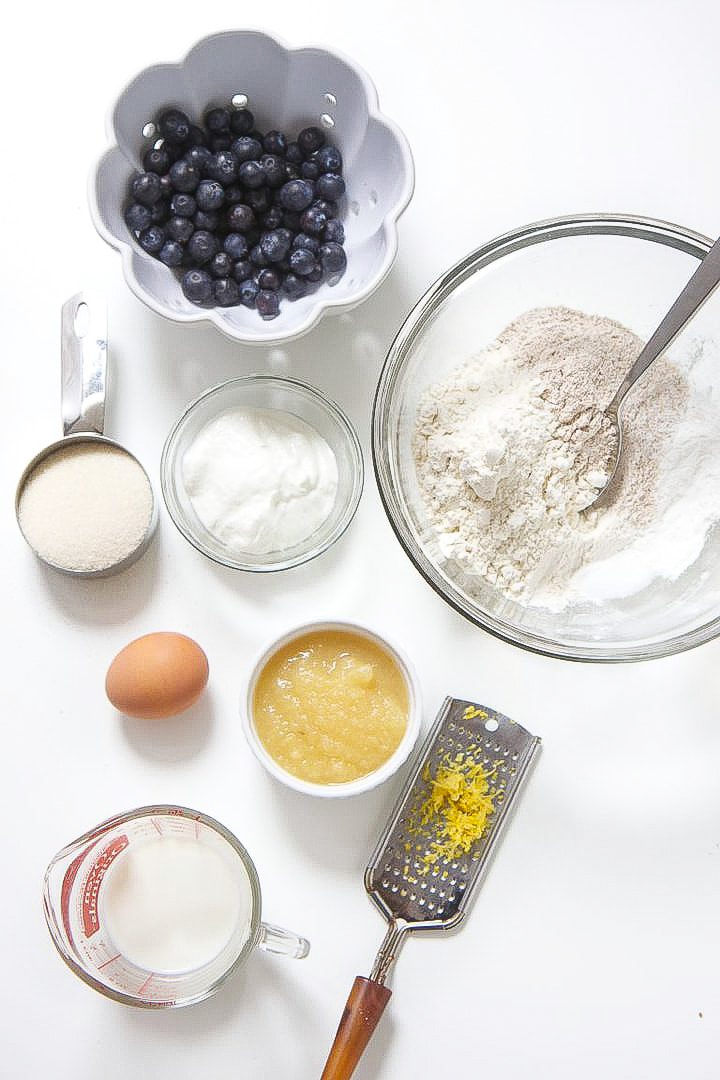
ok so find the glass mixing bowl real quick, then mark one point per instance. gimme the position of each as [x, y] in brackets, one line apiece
[627, 268]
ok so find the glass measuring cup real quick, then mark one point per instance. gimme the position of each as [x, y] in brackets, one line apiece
[83, 391]
[73, 903]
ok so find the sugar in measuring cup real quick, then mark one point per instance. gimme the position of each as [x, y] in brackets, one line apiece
[158, 907]
[85, 504]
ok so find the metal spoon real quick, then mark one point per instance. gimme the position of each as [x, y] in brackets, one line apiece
[696, 292]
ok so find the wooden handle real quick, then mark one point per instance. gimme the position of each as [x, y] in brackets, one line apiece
[364, 1008]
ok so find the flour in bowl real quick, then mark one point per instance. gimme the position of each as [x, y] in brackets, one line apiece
[510, 447]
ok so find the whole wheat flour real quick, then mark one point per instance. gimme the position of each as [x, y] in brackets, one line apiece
[513, 444]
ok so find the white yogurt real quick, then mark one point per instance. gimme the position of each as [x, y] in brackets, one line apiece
[260, 480]
[172, 904]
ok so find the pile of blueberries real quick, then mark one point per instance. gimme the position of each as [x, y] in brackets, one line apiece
[245, 218]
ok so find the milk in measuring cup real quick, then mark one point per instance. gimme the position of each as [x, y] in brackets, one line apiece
[171, 904]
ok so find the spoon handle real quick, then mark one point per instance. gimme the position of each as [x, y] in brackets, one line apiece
[695, 293]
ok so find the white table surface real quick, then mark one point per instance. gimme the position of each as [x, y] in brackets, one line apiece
[594, 948]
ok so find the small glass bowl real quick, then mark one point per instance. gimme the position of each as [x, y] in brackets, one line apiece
[284, 395]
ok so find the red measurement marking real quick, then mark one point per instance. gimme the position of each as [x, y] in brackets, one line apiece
[110, 961]
[197, 830]
[144, 985]
[66, 888]
[156, 826]
[89, 903]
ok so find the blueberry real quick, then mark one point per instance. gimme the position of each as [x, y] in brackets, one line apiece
[313, 221]
[184, 176]
[180, 229]
[247, 149]
[276, 244]
[294, 287]
[253, 236]
[227, 292]
[329, 159]
[330, 186]
[274, 169]
[267, 303]
[242, 270]
[146, 188]
[248, 293]
[201, 247]
[334, 231]
[259, 200]
[166, 186]
[309, 170]
[152, 239]
[302, 262]
[306, 243]
[138, 217]
[217, 121]
[257, 257]
[296, 195]
[157, 160]
[221, 265]
[197, 136]
[175, 151]
[275, 143]
[292, 172]
[327, 207]
[223, 167]
[183, 205]
[315, 275]
[171, 253]
[242, 121]
[210, 195]
[235, 245]
[333, 258]
[234, 193]
[240, 218]
[273, 218]
[160, 212]
[200, 157]
[174, 126]
[198, 286]
[294, 154]
[269, 279]
[310, 139]
[208, 220]
[251, 174]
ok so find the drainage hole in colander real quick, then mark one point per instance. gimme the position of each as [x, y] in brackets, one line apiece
[148, 130]
[240, 100]
[330, 98]
[326, 120]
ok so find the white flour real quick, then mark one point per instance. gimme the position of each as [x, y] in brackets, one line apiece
[513, 444]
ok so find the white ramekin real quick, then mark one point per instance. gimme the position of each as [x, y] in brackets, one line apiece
[364, 783]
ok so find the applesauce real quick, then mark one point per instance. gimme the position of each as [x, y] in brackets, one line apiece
[331, 706]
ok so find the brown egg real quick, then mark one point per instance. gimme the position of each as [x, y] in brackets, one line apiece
[156, 676]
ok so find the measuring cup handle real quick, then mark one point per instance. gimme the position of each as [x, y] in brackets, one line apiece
[282, 942]
[83, 362]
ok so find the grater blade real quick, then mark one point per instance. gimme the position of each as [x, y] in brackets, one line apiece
[416, 898]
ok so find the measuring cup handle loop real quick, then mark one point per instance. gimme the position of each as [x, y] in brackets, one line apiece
[84, 363]
[273, 939]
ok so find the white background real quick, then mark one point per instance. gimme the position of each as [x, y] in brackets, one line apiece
[594, 948]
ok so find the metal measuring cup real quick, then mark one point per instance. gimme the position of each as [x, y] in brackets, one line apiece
[83, 390]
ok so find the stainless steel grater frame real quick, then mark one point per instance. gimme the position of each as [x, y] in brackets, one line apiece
[437, 899]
